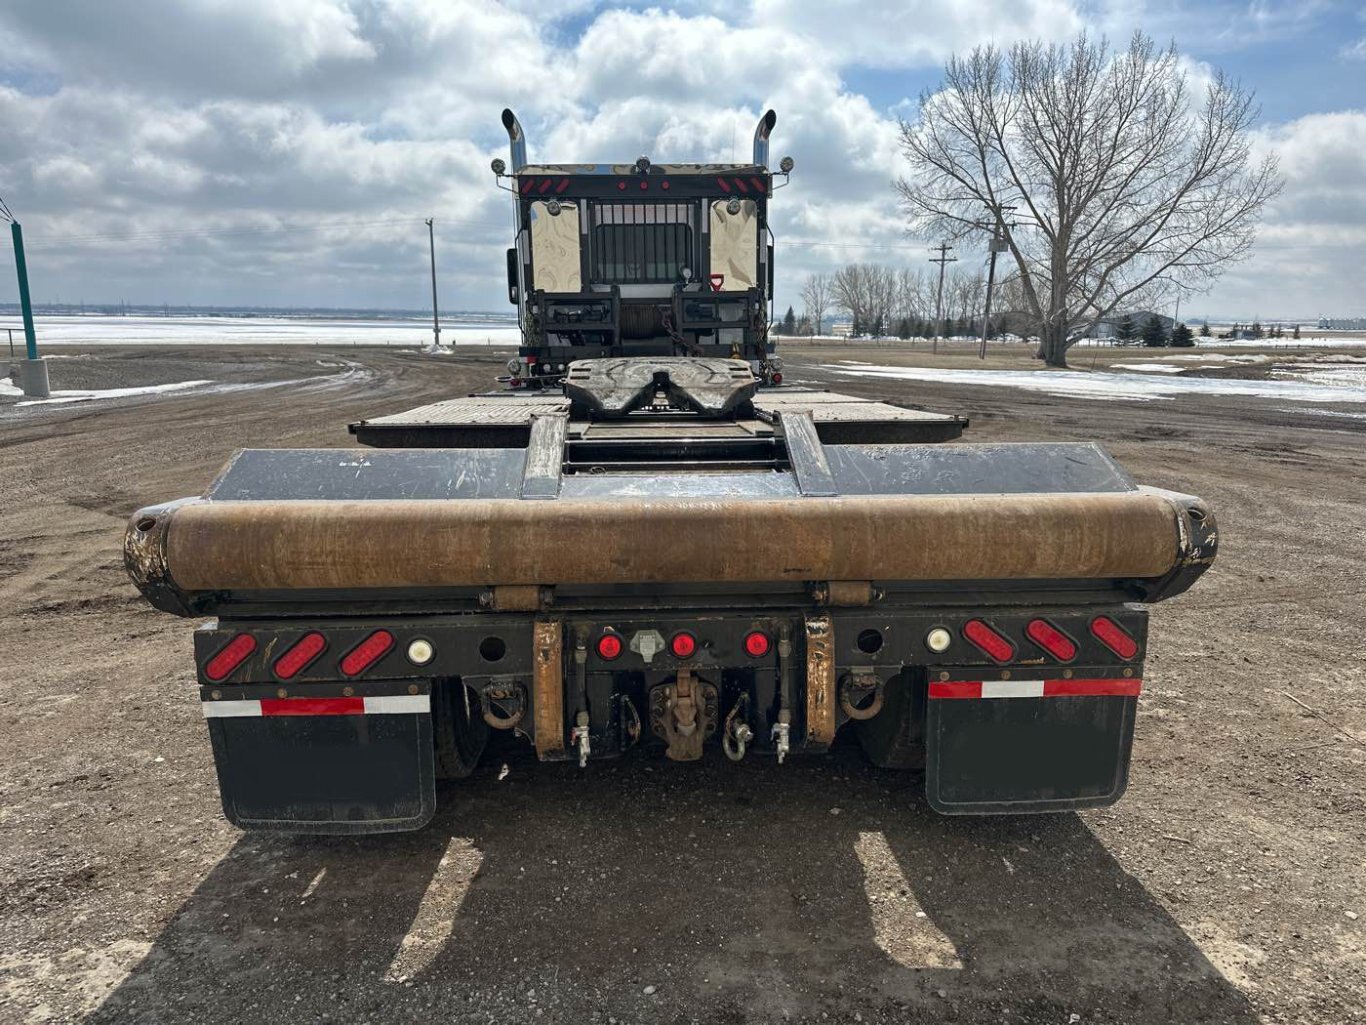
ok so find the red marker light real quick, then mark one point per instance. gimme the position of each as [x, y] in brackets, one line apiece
[644, 185]
[229, 657]
[609, 646]
[301, 653]
[991, 641]
[757, 644]
[683, 645]
[664, 185]
[367, 652]
[621, 186]
[777, 378]
[1051, 639]
[1114, 637]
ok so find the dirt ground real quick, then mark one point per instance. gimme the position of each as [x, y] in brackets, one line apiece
[1229, 885]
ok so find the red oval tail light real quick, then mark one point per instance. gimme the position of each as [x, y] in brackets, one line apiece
[229, 657]
[996, 644]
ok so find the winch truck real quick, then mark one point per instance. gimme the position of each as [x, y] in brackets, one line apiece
[638, 545]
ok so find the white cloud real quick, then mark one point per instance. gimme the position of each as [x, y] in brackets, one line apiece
[916, 32]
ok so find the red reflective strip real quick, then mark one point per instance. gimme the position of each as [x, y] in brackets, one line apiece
[1091, 688]
[526, 185]
[956, 689]
[740, 184]
[229, 657]
[989, 640]
[304, 651]
[758, 184]
[367, 652]
[545, 184]
[564, 184]
[312, 706]
[1114, 637]
[725, 185]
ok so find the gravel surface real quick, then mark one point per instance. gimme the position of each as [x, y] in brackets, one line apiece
[1227, 886]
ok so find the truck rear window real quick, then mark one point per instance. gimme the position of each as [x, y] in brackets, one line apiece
[627, 253]
[645, 243]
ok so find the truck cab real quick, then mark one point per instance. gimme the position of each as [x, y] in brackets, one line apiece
[640, 259]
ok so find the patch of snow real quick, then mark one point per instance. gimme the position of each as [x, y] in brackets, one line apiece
[1136, 387]
[113, 393]
[7, 387]
[1149, 368]
[1303, 342]
[101, 330]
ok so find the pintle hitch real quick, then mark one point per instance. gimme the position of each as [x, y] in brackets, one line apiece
[683, 714]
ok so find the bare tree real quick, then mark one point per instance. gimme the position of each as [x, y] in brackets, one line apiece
[817, 297]
[1124, 194]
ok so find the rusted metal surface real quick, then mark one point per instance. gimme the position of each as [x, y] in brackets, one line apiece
[548, 685]
[516, 598]
[303, 544]
[820, 681]
[847, 593]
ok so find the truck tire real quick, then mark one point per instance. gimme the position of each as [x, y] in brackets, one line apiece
[459, 732]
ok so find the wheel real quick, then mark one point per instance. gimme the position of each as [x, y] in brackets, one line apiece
[459, 732]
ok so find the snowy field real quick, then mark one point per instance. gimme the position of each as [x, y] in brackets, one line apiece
[1324, 382]
[59, 331]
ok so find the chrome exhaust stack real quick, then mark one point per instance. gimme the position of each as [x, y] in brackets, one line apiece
[761, 133]
[517, 139]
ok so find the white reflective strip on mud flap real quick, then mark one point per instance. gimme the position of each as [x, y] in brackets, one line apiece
[398, 704]
[230, 709]
[1012, 688]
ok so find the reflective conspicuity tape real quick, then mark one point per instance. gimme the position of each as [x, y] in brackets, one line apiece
[394, 704]
[1035, 688]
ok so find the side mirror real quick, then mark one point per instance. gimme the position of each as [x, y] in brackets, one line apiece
[514, 292]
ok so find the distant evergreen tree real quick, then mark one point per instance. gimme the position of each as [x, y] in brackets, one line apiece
[790, 322]
[1154, 335]
[1126, 331]
[1204, 330]
[878, 327]
[855, 328]
[1182, 337]
[1296, 333]
[903, 328]
[1257, 331]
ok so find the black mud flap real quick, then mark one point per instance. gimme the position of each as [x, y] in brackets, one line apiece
[1007, 748]
[323, 763]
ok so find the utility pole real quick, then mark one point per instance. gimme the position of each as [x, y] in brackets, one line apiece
[32, 371]
[436, 316]
[998, 245]
[943, 249]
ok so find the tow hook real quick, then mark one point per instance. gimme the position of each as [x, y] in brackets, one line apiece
[781, 729]
[579, 738]
[738, 733]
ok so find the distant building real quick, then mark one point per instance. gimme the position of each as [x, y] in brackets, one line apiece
[1342, 323]
[842, 330]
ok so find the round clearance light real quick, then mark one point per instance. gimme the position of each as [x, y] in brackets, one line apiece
[683, 645]
[498, 166]
[757, 644]
[553, 208]
[733, 207]
[786, 165]
[514, 367]
[609, 647]
[938, 639]
[420, 652]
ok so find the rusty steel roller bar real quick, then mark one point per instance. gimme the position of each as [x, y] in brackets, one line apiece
[247, 546]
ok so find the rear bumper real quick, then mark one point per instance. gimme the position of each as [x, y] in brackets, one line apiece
[328, 751]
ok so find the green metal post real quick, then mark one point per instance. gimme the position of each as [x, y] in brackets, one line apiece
[24, 303]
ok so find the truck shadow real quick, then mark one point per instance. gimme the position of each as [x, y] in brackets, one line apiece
[732, 893]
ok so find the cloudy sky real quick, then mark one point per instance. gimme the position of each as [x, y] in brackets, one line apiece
[285, 152]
